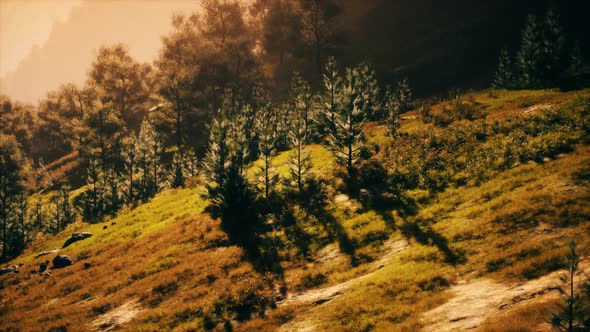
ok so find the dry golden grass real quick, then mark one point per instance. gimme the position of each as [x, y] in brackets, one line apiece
[186, 275]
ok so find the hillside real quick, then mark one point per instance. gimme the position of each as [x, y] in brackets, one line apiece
[461, 224]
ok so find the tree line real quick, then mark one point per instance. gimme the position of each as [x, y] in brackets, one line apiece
[544, 57]
[212, 94]
[124, 168]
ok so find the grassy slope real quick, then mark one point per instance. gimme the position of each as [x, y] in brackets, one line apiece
[185, 274]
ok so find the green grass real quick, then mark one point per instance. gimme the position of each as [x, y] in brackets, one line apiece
[505, 218]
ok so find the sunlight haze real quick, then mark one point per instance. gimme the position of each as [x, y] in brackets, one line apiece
[44, 43]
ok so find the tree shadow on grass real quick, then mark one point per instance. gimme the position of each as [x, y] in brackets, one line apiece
[241, 221]
[315, 205]
[382, 194]
[427, 236]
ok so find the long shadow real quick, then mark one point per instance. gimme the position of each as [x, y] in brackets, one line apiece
[241, 221]
[383, 195]
[294, 232]
[315, 204]
[432, 238]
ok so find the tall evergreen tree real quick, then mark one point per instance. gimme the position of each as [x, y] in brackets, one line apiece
[113, 199]
[302, 99]
[130, 183]
[348, 139]
[392, 109]
[329, 99]
[238, 143]
[299, 160]
[94, 196]
[177, 179]
[528, 57]
[266, 174]
[369, 91]
[573, 315]
[283, 114]
[149, 162]
[191, 165]
[67, 214]
[217, 161]
[553, 58]
[39, 215]
[21, 225]
[504, 75]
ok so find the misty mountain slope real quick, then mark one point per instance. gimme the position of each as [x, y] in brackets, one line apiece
[499, 184]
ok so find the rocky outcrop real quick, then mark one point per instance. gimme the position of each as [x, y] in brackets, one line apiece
[76, 237]
[9, 269]
[62, 261]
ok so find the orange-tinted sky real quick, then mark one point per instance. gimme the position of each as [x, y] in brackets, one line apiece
[44, 43]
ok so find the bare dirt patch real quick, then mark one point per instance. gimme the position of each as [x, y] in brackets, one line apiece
[479, 299]
[117, 317]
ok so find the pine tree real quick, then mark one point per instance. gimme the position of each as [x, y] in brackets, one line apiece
[224, 165]
[282, 125]
[369, 91]
[528, 57]
[248, 116]
[176, 170]
[21, 213]
[553, 61]
[238, 143]
[217, 161]
[330, 98]
[266, 174]
[190, 168]
[39, 215]
[66, 214]
[302, 100]
[149, 163]
[55, 217]
[299, 160]
[404, 96]
[503, 77]
[348, 139]
[113, 199]
[572, 315]
[575, 59]
[94, 200]
[129, 154]
[392, 107]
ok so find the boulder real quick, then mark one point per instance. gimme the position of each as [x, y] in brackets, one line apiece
[87, 265]
[62, 261]
[76, 237]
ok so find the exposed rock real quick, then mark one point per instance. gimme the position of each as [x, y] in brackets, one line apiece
[87, 265]
[8, 270]
[76, 237]
[62, 261]
[47, 253]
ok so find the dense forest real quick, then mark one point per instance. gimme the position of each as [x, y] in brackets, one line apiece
[238, 84]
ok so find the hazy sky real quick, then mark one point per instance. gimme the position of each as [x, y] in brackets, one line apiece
[24, 23]
[44, 43]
